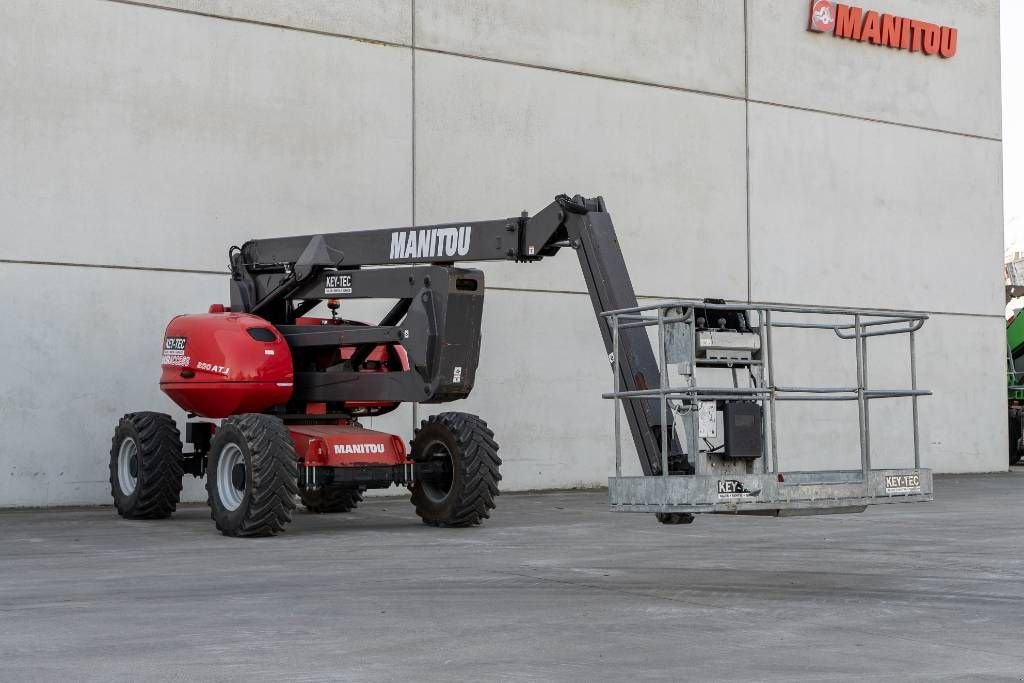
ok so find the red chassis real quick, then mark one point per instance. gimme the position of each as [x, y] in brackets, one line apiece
[238, 363]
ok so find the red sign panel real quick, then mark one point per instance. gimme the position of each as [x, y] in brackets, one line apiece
[823, 16]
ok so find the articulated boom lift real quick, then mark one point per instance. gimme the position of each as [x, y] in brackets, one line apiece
[292, 388]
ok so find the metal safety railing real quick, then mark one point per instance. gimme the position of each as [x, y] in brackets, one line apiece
[856, 324]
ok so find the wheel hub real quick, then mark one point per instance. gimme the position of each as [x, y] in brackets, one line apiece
[238, 476]
[128, 466]
[231, 476]
[438, 487]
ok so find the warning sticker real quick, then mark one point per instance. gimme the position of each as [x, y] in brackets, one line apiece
[903, 483]
[708, 420]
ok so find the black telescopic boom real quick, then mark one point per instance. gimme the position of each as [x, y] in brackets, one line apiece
[267, 274]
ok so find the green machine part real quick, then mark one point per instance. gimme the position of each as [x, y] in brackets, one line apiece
[1015, 357]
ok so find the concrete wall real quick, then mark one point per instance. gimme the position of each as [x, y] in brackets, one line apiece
[741, 156]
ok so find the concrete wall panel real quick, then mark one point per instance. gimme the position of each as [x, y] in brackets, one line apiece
[694, 44]
[962, 425]
[857, 213]
[790, 65]
[385, 20]
[494, 139]
[542, 371]
[70, 378]
[72, 366]
[964, 428]
[67, 386]
[140, 137]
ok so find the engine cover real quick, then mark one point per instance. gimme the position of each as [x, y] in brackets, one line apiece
[220, 364]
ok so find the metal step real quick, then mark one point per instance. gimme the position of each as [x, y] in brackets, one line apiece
[780, 494]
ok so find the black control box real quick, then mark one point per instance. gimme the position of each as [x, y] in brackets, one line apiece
[742, 430]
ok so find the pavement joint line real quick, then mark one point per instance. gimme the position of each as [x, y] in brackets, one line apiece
[619, 591]
[830, 572]
[944, 646]
[877, 593]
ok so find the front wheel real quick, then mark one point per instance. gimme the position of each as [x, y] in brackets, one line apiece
[145, 466]
[252, 476]
[674, 517]
[463, 495]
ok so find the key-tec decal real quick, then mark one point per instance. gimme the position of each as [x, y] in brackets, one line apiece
[174, 352]
[174, 346]
[731, 488]
[903, 483]
[337, 284]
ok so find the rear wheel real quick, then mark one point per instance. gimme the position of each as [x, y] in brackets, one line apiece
[252, 475]
[464, 494]
[674, 517]
[145, 466]
[333, 498]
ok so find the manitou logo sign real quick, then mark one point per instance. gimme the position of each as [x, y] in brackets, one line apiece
[430, 243]
[903, 33]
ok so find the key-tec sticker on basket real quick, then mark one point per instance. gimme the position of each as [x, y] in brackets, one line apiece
[731, 489]
[903, 483]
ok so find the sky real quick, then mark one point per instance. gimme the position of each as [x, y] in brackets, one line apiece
[1012, 12]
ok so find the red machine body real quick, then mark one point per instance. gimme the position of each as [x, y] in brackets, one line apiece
[292, 389]
[381, 359]
[220, 364]
[345, 445]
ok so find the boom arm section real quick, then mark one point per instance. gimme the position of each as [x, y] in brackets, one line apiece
[270, 275]
[265, 272]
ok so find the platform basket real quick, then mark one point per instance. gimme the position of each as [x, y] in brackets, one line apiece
[756, 484]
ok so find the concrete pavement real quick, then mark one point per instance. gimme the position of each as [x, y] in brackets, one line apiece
[554, 587]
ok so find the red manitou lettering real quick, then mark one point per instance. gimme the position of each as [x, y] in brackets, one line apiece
[868, 26]
[848, 21]
[931, 38]
[870, 30]
[892, 27]
[917, 27]
[947, 43]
